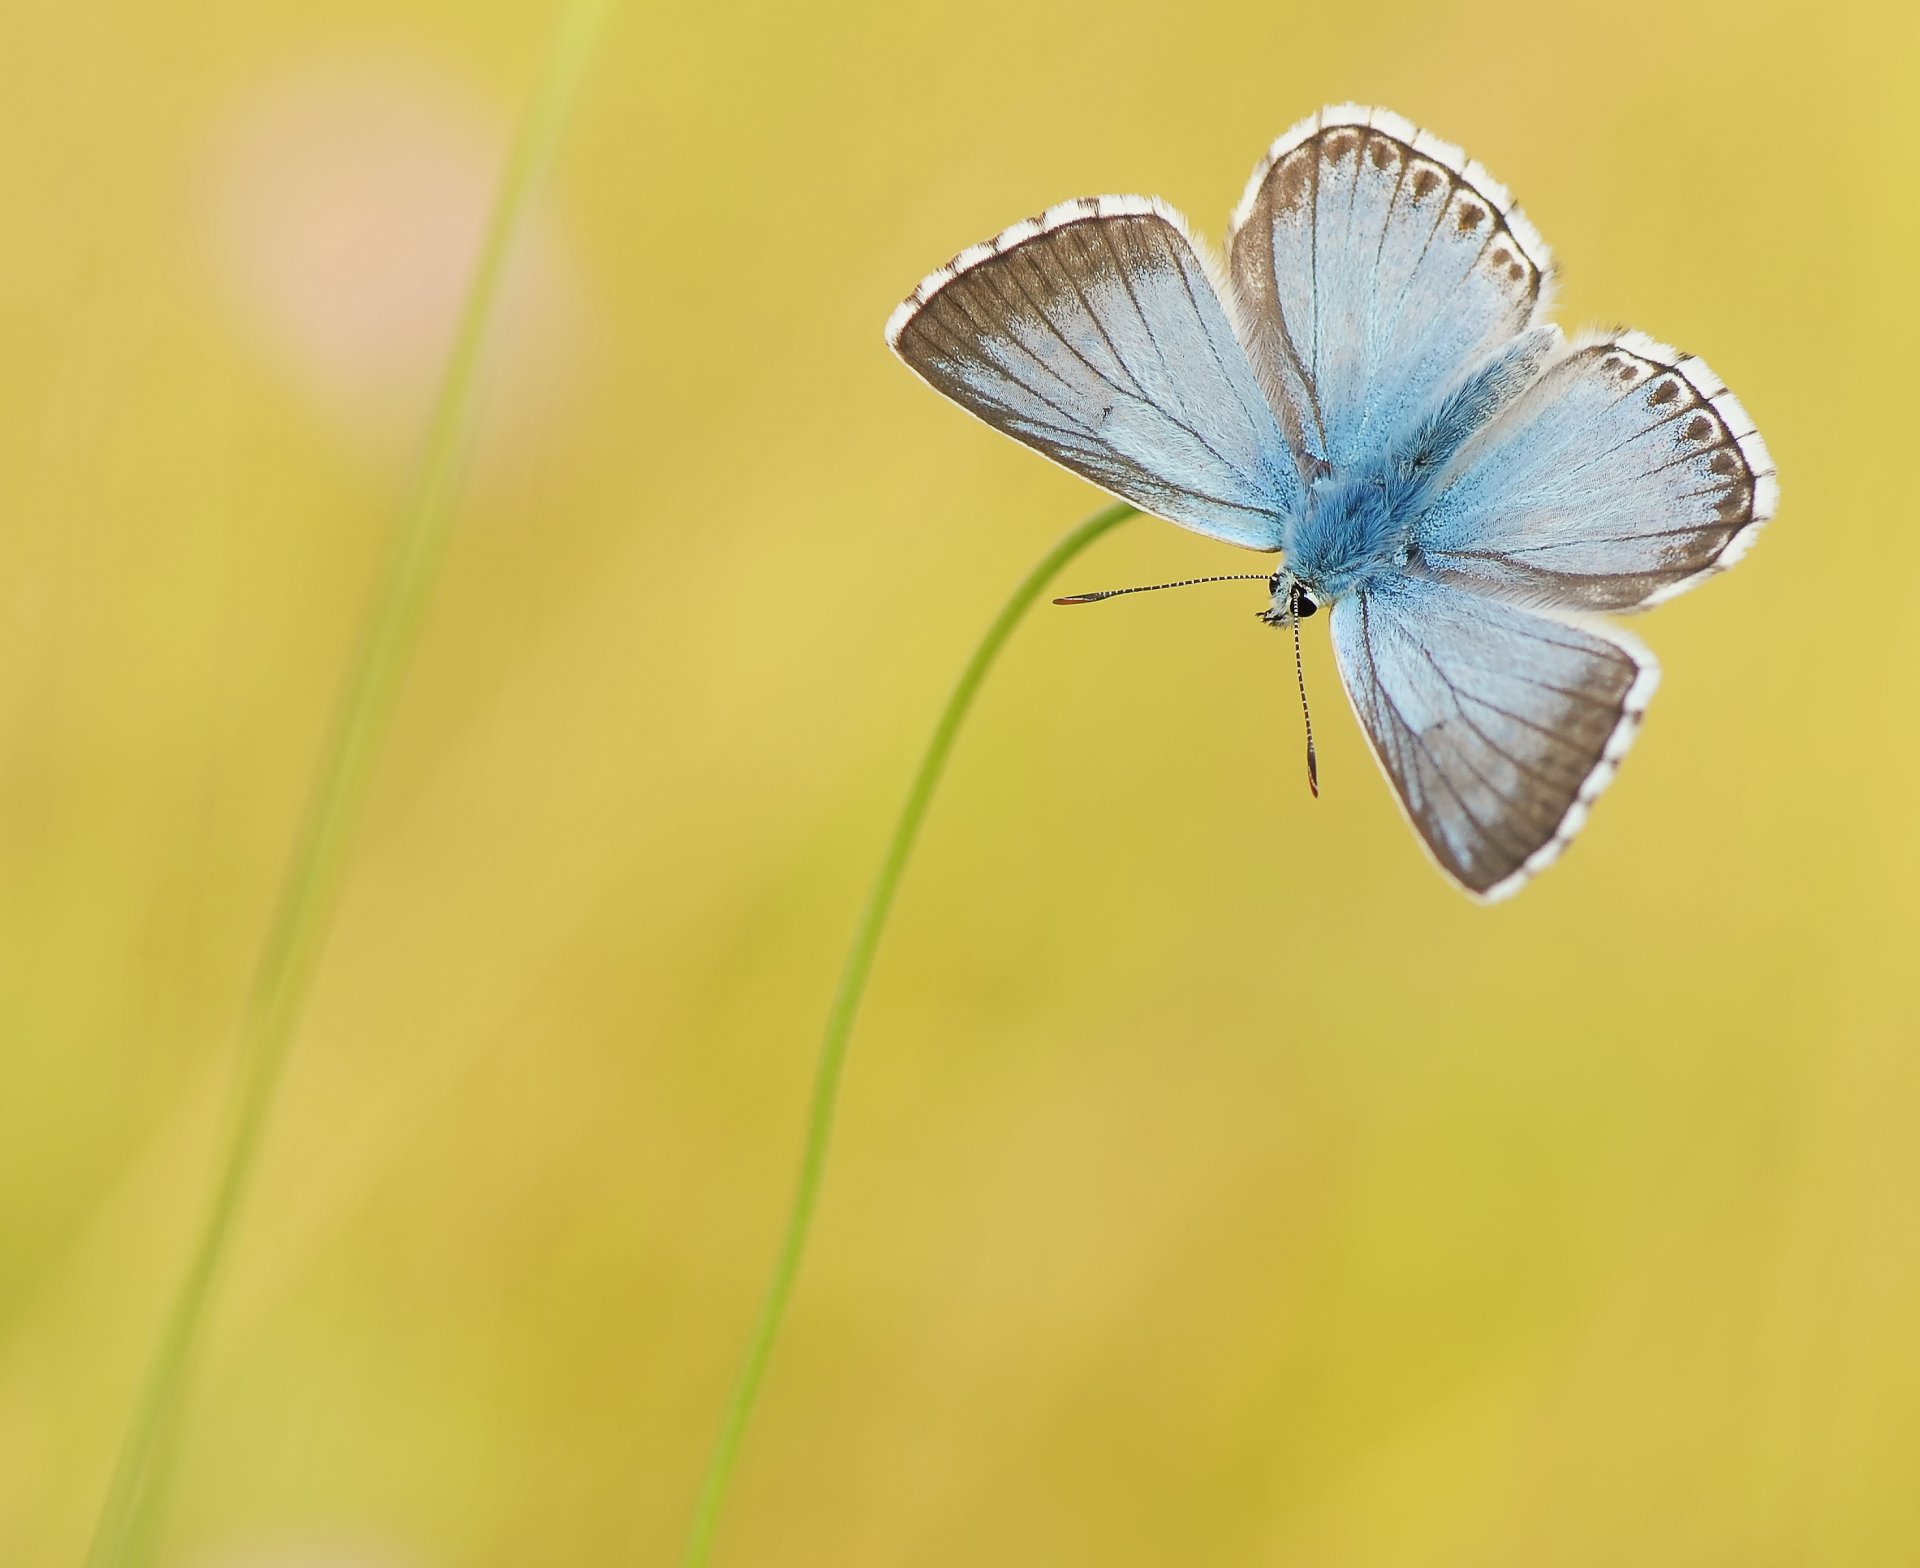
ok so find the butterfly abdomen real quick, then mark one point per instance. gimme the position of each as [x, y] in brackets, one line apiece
[1352, 532]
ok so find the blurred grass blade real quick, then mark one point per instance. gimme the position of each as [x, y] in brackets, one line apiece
[130, 1516]
[846, 1007]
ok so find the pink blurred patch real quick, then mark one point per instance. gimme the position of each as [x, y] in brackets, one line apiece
[348, 206]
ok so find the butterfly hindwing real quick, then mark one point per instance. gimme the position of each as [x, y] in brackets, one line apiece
[1376, 267]
[1496, 727]
[1622, 476]
[1094, 334]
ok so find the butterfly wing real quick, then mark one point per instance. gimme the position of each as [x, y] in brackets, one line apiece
[1496, 727]
[1375, 267]
[1622, 476]
[1094, 334]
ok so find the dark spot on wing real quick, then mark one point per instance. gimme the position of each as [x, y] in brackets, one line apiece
[1383, 152]
[1698, 428]
[1471, 214]
[1289, 182]
[1665, 392]
[1425, 181]
[1339, 145]
[1721, 462]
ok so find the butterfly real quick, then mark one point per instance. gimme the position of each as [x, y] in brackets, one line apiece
[1369, 387]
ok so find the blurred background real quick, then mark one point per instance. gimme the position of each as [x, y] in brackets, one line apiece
[1214, 1184]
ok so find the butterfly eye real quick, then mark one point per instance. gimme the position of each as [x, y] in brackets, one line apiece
[1306, 603]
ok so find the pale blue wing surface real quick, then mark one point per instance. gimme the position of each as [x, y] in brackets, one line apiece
[1375, 267]
[1623, 475]
[1094, 334]
[1496, 727]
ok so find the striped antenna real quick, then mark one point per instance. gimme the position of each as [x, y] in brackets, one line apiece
[1115, 593]
[1294, 600]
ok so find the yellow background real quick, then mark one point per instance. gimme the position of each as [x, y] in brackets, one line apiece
[1214, 1184]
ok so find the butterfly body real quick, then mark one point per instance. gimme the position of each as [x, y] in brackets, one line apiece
[1369, 387]
[1354, 531]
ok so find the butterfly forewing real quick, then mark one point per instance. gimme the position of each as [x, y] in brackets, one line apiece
[1094, 335]
[1496, 727]
[1620, 477]
[1376, 266]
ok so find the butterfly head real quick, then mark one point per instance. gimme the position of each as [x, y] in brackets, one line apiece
[1293, 600]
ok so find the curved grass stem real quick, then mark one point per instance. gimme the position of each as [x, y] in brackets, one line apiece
[840, 1020]
[130, 1516]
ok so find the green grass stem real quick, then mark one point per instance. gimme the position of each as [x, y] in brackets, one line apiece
[832, 1059]
[131, 1514]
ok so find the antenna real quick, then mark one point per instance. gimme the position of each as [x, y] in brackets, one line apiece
[1115, 593]
[1300, 675]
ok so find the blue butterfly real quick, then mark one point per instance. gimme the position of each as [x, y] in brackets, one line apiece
[1371, 389]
